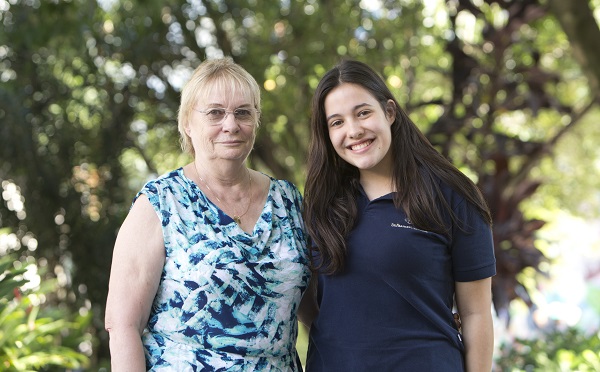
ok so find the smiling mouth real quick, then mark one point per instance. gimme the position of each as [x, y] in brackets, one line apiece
[231, 142]
[360, 146]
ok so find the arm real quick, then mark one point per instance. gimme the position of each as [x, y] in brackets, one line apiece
[308, 309]
[474, 301]
[138, 259]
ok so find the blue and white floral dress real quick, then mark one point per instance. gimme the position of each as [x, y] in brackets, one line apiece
[227, 300]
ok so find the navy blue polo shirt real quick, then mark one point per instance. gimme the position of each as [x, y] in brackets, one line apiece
[391, 308]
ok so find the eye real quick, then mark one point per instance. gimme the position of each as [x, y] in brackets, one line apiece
[215, 114]
[243, 114]
[363, 113]
[335, 123]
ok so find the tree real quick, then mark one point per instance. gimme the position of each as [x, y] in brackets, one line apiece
[508, 70]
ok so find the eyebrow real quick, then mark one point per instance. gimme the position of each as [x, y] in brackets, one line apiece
[220, 105]
[360, 105]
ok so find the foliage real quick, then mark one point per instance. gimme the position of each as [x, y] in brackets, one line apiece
[34, 336]
[302, 342]
[569, 350]
[565, 177]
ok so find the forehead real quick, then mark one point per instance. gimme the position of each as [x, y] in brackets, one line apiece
[346, 96]
[225, 92]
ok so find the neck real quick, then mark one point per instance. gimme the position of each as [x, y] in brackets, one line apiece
[376, 184]
[230, 195]
[221, 173]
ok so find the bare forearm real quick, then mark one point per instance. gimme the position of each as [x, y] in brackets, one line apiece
[126, 351]
[478, 336]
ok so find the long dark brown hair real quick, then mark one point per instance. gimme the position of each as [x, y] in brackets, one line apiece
[332, 184]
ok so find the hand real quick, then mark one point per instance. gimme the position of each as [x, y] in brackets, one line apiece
[457, 321]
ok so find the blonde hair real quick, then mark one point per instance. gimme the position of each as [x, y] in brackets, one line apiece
[211, 74]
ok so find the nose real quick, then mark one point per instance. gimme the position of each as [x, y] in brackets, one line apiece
[355, 129]
[229, 123]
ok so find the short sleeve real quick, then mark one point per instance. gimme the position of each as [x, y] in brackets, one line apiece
[472, 245]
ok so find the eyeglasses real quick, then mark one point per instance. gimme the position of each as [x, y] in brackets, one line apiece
[216, 116]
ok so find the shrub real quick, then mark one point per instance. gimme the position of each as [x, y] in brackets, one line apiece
[33, 334]
[569, 350]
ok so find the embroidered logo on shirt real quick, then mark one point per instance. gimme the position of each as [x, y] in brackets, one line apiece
[408, 226]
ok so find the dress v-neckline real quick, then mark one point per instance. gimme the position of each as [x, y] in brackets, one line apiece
[220, 211]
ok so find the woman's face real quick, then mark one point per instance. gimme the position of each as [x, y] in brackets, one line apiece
[359, 129]
[223, 125]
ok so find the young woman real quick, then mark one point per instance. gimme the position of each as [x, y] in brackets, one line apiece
[399, 237]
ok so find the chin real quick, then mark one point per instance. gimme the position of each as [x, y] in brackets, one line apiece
[363, 165]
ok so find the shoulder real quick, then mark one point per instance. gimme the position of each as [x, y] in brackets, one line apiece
[166, 178]
[454, 197]
[163, 181]
[162, 185]
[286, 188]
[451, 197]
[284, 184]
[458, 208]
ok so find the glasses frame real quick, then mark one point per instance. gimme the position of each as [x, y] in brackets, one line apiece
[227, 112]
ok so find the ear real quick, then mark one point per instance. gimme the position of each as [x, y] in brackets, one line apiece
[186, 128]
[390, 111]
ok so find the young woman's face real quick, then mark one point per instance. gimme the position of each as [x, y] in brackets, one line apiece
[359, 129]
[226, 127]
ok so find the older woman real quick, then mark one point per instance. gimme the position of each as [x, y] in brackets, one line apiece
[211, 262]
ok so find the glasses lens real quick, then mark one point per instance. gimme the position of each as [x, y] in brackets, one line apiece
[244, 115]
[215, 115]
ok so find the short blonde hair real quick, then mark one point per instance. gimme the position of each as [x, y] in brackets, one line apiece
[208, 75]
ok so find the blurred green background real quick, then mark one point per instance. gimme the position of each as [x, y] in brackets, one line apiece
[508, 90]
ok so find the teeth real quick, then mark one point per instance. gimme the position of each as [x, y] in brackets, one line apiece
[361, 145]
